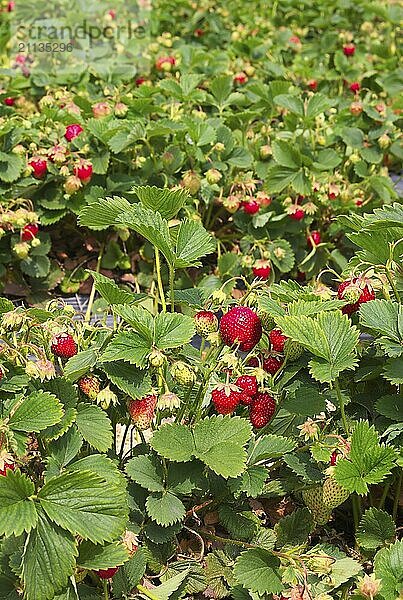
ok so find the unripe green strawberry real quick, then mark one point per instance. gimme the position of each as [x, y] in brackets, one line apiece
[156, 358]
[293, 350]
[333, 493]
[205, 322]
[89, 385]
[313, 498]
[267, 320]
[142, 411]
[213, 176]
[182, 373]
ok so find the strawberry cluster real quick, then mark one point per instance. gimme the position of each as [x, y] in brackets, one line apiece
[227, 397]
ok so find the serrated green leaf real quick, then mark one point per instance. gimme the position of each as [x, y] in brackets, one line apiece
[158, 534]
[317, 104]
[173, 441]
[268, 447]
[167, 202]
[391, 407]
[17, 509]
[134, 382]
[388, 567]
[239, 524]
[167, 589]
[393, 370]
[376, 529]
[48, 561]
[291, 103]
[251, 482]
[140, 319]
[278, 178]
[103, 213]
[294, 529]
[37, 412]
[111, 292]
[192, 242]
[286, 155]
[127, 346]
[219, 442]
[173, 330]
[329, 336]
[147, 472]
[80, 364]
[165, 508]
[94, 556]
[94, 425]
[258, 571]
[11, 166]
[85, 504]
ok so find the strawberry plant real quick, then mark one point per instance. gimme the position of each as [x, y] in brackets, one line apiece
[167, 469]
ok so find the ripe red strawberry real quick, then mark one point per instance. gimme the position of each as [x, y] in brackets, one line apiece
[241, 325]
[314, 238]
[261, 410]
[261, 269]
[271, 364]
[142, 411]
[83, 170]
[72, 131]
[90, 386]
[297, 215]
[6, 466]
[107, 573]
[333, 458]
[355, 87]
[29, 232]
[312, 84]
[277, 340]
[358, 291]
[248, 384]
[63, 345]
[9, 101]
[253, 362]
[251, 207]
[140, 80]
[205, 322]
[349, 50]
[226, 398]
[39, 167]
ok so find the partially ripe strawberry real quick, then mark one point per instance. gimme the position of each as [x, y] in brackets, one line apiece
[72, 131]
[107, 573]
[29, 232]
[83, 170]
[297, 215]
[314, 238]
[271, 364]
[9, 101]
[277, 340]
[349, 50]
[205, 322]
[165, 63]
[253, 362]
[251, 207]
[241, 78]
[355, 87]
[333, 458]
[39, 167]
[358, 291]
[198, 33]
[63, 345]
[261, 269]
[226, 398]
[261, 410]
[312, 84]
[90, 386]
[241, 325]
[6, 463]
[142, 411]
[140, 80]
[248, 384]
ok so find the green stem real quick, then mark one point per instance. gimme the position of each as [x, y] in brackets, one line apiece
[384, 495]
[392, 285]
[147, 592]
[355, 500]
[106, 591]
[341, 402]
[92, 294]
[159, 279]
[397, 495]
[171, 287]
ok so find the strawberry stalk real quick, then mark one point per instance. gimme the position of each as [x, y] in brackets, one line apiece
[87, 318]
[159, 279]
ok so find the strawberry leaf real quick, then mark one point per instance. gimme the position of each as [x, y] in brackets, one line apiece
[376, 529]
[37, 412]
[388, 567]
[167, 202]
[103, 213]
[147, 472]
[165, 508]
[94, 425]
[258, 571]
[94, 556]
[17, 509]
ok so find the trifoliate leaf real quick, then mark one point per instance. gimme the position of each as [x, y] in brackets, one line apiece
[17, 509]
[165, 508]
[376, 528]
[258, 571]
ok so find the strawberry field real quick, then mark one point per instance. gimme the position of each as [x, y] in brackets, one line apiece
[201, 281]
